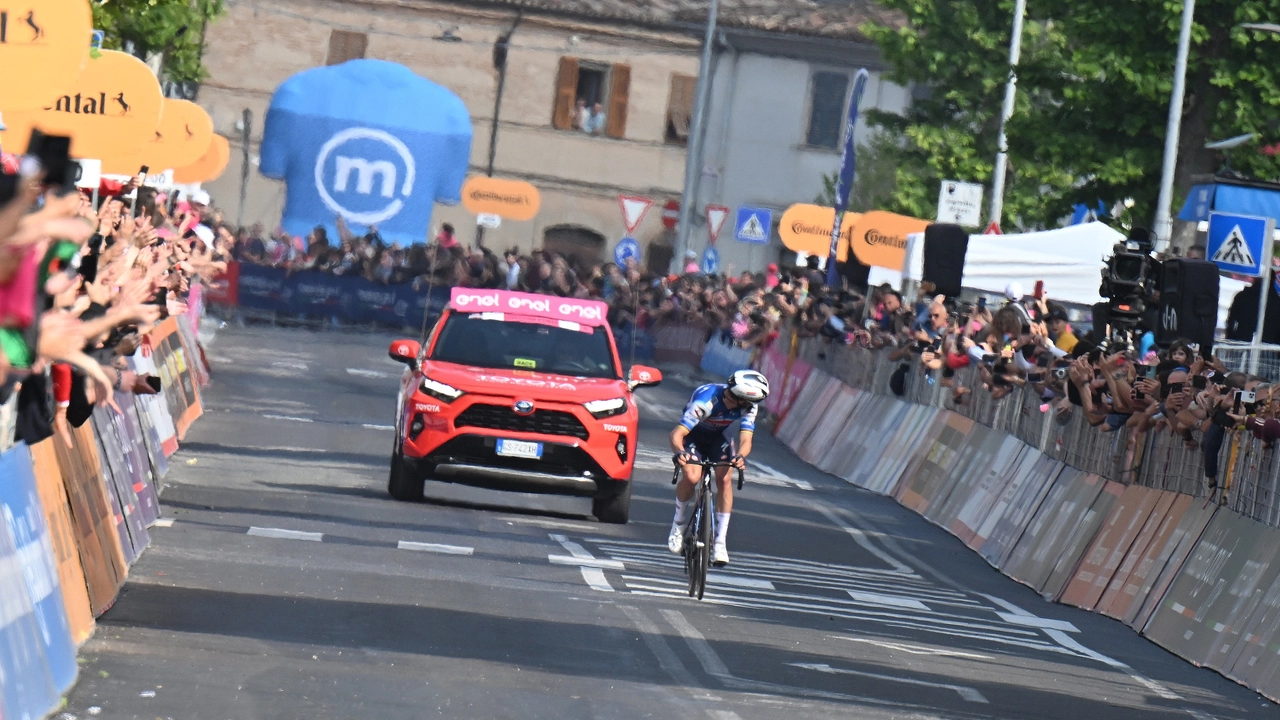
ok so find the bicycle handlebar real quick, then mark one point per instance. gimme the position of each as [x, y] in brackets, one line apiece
[675, 477]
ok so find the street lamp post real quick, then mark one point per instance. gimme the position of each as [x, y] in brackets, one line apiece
[693, 159]
[1164, 216]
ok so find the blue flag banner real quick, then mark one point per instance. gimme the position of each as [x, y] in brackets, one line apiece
[368, 140]
[848, 164]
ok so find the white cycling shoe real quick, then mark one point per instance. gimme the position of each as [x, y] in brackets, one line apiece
[675, 541]
[720, 554]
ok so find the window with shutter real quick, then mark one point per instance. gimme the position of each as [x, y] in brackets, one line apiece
[566, 94]
[680, 108]
[619, 91]
[345, 45]
[826, 109]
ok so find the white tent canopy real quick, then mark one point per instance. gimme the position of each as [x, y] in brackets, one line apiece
[1069, 260]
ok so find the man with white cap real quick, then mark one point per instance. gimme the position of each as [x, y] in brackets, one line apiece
[1013, 292]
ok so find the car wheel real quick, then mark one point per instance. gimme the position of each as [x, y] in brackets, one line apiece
[614, 508]
[403, 484]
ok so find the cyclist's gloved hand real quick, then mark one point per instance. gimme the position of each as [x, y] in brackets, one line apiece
[739, 462]
[682, 459]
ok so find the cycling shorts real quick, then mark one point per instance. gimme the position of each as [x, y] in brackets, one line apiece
[713, 447]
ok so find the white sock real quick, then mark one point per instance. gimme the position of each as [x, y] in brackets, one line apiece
[722, 527]
[684, 508]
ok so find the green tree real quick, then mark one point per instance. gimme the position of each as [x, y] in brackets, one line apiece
[1093, 92]
[174, 28]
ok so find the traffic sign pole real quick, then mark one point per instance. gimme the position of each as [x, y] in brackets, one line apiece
[1255, 351]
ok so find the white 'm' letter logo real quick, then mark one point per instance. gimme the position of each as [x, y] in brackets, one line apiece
[365, 173]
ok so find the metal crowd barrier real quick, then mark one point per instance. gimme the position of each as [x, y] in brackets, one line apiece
[1248, 477]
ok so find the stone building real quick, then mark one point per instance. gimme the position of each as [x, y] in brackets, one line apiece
[781, 86]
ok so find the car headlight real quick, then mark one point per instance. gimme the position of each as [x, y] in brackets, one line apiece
[440, 391]
[600, 409]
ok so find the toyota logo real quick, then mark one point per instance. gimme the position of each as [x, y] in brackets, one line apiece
[524, 407]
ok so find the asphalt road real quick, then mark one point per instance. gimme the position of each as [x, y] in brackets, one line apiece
[291, 586]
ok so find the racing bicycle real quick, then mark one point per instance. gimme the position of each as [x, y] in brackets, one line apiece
[700, 529]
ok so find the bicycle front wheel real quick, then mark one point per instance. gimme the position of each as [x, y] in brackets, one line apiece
[706, 515]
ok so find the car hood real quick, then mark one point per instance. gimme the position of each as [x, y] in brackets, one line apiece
[523, 384]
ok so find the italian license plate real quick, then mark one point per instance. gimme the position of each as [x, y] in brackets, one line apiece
[520, 449]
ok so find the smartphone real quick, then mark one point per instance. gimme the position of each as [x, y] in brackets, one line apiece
[1044, 361]
[1175, 388]
[1199, 382]
[1139, 395]
[144, 170]
[1151, 372]
[982, 304]
[1248, 396]
[54, 154]
[1035, 377]
[1039, 291]
[162, 300]
[154, 382]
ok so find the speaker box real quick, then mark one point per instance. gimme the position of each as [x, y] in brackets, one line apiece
[944, 249]
[1188, 302]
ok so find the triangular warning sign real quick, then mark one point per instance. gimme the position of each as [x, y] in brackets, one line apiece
[1234, 250]
[753, 229]
[716, 215]
[633, 210]
[993, 228]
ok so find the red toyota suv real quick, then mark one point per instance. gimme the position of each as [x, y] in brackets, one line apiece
[519, 392]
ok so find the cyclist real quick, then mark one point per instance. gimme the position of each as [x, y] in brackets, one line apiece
[703, 434]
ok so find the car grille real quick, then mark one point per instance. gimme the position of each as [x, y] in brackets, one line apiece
[502, 417]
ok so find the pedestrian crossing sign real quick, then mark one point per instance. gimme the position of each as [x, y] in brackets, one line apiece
[1238, 243]
[754, 225]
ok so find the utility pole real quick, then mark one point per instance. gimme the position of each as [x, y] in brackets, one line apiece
[246, 130]
[693, 163]
[1006, 112]
[1173, 130]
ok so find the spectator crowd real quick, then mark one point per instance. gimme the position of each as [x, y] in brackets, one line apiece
[81, 287]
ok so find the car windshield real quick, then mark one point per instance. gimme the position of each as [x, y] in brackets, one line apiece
[492, 340]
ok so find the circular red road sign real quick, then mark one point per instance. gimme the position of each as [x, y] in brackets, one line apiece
[671, 214]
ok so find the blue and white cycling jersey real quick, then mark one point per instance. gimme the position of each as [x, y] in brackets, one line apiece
[706, 413]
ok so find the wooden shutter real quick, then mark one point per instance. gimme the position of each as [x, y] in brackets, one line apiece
[680, 107]
[566, 94]
[344, 46]
[619, 89]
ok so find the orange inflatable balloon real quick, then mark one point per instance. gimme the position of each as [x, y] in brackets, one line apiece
[112, 109]
[43, 47]
[880, 238]
[209, 166]
[510, 199]
[184, 134]
[807, 228]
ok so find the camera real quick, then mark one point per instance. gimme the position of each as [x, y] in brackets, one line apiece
[1126, 279]
[1059, 374]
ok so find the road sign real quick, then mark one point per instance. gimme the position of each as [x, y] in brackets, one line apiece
[627, 248]
[754, 225]
[671, 214]
[633, 209]
[1236, 242]
[716, 215]
[993, 228]
[710, 261]
[960, 203]
[489, 220]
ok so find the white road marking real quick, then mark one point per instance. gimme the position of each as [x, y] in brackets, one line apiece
[861, 538]
[582, 527]
[1069, 643]
[967, 693]
[916, 649]
[774, 474]
[591, 568]
[725, 714]
[286, 534]
[168, 522]
[287, 417]
[368, 373]
[371, 426]
[1038, 622]
[586, 562]
[892, 601]
[596, 580]
[435, 548]
[744, 582]
[290, 364]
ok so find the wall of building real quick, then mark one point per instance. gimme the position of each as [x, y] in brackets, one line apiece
[756, 143]
[258, 45]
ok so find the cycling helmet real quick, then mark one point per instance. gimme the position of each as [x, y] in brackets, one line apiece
[749, 386]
